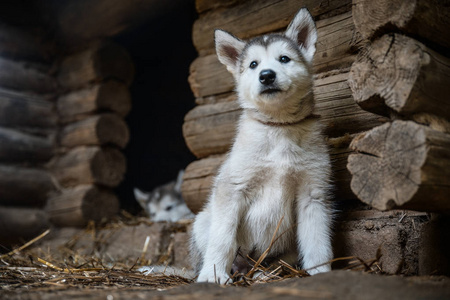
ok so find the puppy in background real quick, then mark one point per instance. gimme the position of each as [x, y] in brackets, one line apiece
[165, 202]
[278, 169]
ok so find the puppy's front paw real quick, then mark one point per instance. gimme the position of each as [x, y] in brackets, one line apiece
[214, 277]
[321, 269]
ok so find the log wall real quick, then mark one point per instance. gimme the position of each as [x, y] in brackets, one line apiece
[403, 73]
[92, 106]
[28, 127]
[62, 130]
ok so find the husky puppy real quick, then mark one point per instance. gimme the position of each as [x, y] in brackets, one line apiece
[278, 168]
[164, 203]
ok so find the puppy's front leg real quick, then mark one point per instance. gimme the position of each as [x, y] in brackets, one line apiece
[222, 244]
[314, 229]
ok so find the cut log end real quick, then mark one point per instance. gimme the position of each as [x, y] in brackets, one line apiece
[401, 74]
[77, 206]
[396, 166]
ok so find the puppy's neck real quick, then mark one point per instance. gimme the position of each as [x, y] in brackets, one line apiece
[294, 116]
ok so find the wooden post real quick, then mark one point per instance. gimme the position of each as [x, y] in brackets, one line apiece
[22, 186]
[90, 165]
[402, 164]
[110, 95]
[402, 74]
[99, 129]
[428, 19]
[77, 206]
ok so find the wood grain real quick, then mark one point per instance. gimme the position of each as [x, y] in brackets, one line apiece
[402, 165]
[398, 73]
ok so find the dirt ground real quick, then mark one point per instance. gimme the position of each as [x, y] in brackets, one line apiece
[102, 263]
[334, 285]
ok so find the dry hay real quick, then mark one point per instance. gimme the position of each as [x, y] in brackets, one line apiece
[24, 268]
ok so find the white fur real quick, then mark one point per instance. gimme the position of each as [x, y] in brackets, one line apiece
[278, 167]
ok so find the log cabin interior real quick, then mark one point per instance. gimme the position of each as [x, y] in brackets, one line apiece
[99, 96]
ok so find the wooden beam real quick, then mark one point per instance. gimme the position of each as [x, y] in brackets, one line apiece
[424, 19]
[19, 44]
[78, 206]
[205, 5]
[111, 95]
[16, 146]
[90, 165]
[399, 73]
[100, 62]
[402, 165]
[81, 21]
[102, 129]
[24, 186]
[210, 129]
[18, 225]
[251, 18]
[19, 76]
[22, 110]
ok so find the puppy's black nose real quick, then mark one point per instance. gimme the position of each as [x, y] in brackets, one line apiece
[267, 77]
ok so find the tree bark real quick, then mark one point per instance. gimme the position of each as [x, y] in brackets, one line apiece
[423, 19]
[402, 164]
[100, 62]
[77, 206]
[24, 187]
[100, 129]
[399, 73]
[90, 165]
[111, 96]
[20, 147]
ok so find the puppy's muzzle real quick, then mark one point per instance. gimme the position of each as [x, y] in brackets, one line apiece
[267, 77]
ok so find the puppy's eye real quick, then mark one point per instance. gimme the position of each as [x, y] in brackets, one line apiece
[284, 59]
[169, 208]
[253, 64]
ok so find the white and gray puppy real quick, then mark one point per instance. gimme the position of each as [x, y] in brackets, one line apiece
[278, 167]
[165, 202]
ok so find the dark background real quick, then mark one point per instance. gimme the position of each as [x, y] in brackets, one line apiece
[162, 51]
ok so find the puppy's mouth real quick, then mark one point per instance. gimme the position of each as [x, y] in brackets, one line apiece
[270, 91]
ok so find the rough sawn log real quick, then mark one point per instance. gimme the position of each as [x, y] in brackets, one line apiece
[400, 73]
[423, 19]
[402, 164]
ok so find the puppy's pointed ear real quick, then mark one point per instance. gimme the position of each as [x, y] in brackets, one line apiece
[228, 49]
[302, 30]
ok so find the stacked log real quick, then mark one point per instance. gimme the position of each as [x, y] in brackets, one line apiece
[403, 163]
[210, 127]
[93, 131]
[28, 125]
